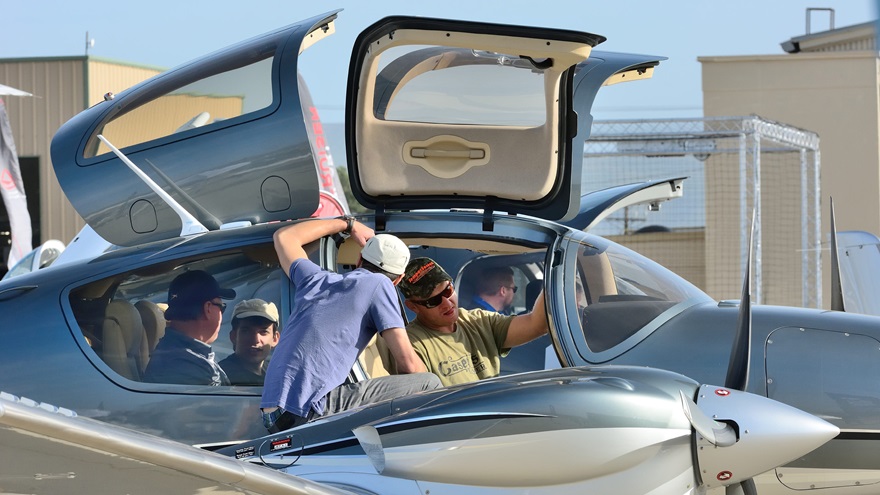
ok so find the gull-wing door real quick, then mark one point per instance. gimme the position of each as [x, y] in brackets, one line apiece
[444, 114]
[47, 451]
[605, 69]
[597, 205]
[226, 136]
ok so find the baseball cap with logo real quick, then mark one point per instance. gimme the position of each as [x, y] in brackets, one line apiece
[387, 252]
[193, 288]
[421, 277]
[256, 307]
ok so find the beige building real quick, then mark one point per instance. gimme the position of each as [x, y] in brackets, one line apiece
[826, 82]
[62, 87]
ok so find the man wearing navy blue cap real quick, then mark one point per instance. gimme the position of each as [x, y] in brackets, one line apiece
[195, 311]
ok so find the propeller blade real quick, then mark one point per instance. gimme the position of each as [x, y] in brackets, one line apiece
[738, 366]
[717, 433]
[370, 441]
[837, 303]
[745, 487]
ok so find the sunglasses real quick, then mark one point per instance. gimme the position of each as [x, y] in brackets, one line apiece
[221, 305]
[434, 301]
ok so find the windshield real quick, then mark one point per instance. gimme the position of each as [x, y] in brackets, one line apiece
[618, 292]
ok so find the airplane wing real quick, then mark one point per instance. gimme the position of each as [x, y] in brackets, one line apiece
[48, 450]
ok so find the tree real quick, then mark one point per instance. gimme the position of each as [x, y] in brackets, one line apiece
[353, 205]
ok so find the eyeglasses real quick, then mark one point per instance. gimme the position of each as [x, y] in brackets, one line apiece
[221, 305]
[434, 301]
[514, 288]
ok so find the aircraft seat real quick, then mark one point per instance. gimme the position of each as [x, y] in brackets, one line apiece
[123, 334]
[376, 358]
[599, 276]
[153, 318]
[533, 288]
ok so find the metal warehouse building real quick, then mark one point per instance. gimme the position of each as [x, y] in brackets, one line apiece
[62, 87]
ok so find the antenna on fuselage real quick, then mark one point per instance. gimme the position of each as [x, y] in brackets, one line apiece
[190, 225]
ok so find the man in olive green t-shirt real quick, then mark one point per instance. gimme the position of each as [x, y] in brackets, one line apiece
[459, 345]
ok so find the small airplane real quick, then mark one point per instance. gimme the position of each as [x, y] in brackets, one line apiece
[464, 139]
[39, 257]
[574, 430]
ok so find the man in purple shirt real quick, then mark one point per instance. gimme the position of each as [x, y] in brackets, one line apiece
[333, 319]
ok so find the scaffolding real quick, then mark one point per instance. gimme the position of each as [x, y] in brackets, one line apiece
[735, 166]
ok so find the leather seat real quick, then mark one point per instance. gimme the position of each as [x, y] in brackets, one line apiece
[153, 318]
[376, 358]
[123, 334]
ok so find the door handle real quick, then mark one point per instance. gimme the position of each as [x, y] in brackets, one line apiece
[473, 154]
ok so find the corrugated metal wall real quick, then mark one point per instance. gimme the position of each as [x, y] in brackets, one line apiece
[114, 77]
[62, 87]
[58, 86]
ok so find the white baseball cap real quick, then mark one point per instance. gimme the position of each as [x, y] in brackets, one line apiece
[387, 252]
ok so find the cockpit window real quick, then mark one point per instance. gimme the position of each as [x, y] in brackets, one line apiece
[225, 95]
[618, 292]
[436, 85]
[122, 318]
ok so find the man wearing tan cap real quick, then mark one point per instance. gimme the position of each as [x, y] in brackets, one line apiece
[254, 334]
[334, 318]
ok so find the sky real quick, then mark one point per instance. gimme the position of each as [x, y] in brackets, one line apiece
[166, 33]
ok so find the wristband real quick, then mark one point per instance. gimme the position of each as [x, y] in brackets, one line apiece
[349, 224]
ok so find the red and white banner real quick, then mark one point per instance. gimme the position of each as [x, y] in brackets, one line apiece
[12, 190]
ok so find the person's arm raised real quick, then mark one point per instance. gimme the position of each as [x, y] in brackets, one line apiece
[289, 240]
[528, 327]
